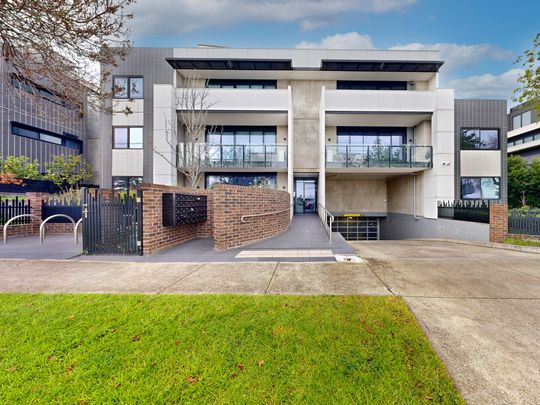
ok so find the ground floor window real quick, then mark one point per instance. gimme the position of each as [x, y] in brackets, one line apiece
[242, 179]
[356, 228]
[481, 188]
[125, 183]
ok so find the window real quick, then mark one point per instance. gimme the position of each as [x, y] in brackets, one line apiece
[367, 136]
[241, 84]
[473, 139]
[127, 138]
[256, 180]
[522, 120]
[125, 183]
[525, 138]
[26, 131]
[128, 87]
[242, 136]
[485, 188]
[370, 85]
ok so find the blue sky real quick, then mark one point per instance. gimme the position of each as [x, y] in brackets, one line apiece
[478, 39]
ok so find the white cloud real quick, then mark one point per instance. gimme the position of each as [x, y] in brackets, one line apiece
[487, 85]
[460, 55]
[350, 40]
[169, 17]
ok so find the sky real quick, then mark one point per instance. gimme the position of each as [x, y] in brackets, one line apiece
[479, 40]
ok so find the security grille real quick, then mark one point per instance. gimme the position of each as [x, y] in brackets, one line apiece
[357, 228]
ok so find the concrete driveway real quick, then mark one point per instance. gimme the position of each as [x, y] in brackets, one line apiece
[479, 306]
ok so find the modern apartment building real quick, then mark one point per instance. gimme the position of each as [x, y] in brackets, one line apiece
[367, 134]
[524, 133]
[35, 122]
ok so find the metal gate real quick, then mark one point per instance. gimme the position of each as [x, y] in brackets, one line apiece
[112, 225]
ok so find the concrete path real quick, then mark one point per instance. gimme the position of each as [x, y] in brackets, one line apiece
[480, 307]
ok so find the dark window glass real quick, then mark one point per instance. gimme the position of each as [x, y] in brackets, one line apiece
[254, 180]
[371, 136]
[480, 187]
[128, 87]
[73, 144]
[242, 84]
[45, 136]
[243, 136]
[125, 183]
[120, 140]
[370, 85]
[473, 139]
[21, 131]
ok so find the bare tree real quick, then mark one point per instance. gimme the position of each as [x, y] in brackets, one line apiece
[53, 48]
[191, 153]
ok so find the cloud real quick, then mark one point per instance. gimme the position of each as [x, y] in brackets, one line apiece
[350, 40]
[459, 55]
[487, 85]
[170, 17]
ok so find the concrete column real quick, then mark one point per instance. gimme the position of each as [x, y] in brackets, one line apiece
[290, 143]
[322, 148]
[165, 126]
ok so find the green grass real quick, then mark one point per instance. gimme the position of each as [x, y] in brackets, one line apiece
[215, 349]
[522, 242]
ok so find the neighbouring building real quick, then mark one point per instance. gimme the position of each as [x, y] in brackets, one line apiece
[524, 132]
[39, 126]
[368, 134]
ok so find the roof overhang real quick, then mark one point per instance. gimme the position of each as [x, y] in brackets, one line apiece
[230, 64]
[380, 66]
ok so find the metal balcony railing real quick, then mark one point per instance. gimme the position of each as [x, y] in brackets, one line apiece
[234, 156]
[382, 156]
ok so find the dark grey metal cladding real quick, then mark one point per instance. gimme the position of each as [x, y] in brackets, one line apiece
[49, 117]
[151, 64]
[471, 113]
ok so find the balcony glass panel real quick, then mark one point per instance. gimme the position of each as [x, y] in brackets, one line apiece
[367, 156]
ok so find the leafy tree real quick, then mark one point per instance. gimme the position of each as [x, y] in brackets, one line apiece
[523, 182]
[68, 173]
[20, 167]
[529, 81]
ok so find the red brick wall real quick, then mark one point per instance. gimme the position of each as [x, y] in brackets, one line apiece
[498, 222]
[226, 205]
[232, 202]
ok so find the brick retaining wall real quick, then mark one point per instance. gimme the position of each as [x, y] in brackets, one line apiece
[498, 222]
[226, 205]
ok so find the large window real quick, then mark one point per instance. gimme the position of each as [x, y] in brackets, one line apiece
[367, 136]
[27, 131]
[479, 139]
[241, 84]
[127, 137]
[370, 85]
[128, 87]
[125, 183]
[242, 136]
[525, 138]
[522, 120]
[256, 180]
[484, 188]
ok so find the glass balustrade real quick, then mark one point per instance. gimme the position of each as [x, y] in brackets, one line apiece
[368, 156]
[234, 156]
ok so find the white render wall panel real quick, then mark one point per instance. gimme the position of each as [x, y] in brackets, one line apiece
[164, 131]
[481, 163]
[127, 162]
[380, 101]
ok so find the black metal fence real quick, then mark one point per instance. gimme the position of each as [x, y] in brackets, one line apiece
[11, 207]
[54, 206]
[112, 226]
[525, 222]
[464, 210]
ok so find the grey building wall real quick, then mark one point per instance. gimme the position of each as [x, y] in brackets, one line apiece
[18, 106]
[402, 226]
[518, 110]
[473, 113]
[151, 65]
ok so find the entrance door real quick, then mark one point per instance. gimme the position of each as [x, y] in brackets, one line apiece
[305, 200]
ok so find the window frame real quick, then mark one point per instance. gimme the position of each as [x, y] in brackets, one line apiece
[63, 138]
[236, 131]
[128, 90]
[241, 84]
[128, 182]
[479, 129]
[272, 175]
[128, 137]
[479, 178]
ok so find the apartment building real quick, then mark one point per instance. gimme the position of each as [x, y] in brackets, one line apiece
[524, 133]
[35, 122]
[366, 134]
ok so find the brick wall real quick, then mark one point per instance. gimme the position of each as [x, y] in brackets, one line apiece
[498, 222]
[232, 202]
[226, 205]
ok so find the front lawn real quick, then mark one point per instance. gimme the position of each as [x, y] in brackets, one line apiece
[215, 349]
[522, 242]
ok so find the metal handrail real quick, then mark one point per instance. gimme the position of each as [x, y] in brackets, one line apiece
[327, 215]
[264, 213]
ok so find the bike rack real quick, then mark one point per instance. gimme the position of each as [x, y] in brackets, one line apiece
[42, 226]
[13, 219]
[76, 229]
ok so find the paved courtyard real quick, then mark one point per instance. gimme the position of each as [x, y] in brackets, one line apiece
[479, 306]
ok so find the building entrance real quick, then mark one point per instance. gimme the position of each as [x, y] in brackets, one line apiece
[305, 196]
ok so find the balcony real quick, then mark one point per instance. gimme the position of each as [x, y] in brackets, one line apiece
[234, 156]
[379, 156]
[395, 101]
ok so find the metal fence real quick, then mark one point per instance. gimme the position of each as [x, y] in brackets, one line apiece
[113, 225]
[11, 207]
[464, 210]
[525, 222]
